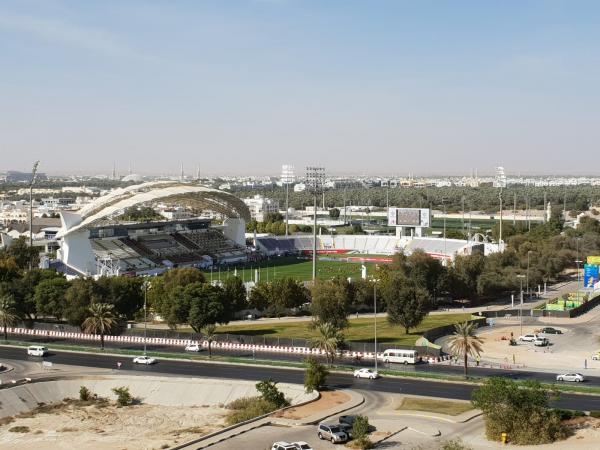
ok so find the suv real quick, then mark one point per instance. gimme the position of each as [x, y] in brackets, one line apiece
[332, 433]
[550, 330]
[283, 446]
[541, 342]
[37, 350]
[528, 337]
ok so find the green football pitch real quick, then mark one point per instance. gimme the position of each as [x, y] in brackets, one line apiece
[296, 267]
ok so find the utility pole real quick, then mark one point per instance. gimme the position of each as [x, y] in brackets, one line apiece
[33, 178]
[315, 177]
[521, 304]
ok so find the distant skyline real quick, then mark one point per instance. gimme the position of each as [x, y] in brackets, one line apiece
[241, 87]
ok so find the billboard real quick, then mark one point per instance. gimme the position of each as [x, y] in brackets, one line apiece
[409, 217]
[591, 274]
[593, 260]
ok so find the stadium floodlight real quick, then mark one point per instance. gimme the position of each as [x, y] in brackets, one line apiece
[315, 183]
[33, 178]
[287, 178]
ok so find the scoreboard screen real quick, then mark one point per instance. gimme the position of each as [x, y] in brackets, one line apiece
[409, 217]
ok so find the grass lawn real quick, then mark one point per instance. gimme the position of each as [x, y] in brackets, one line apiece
[359, 330]
[298, 268]
[447, 407]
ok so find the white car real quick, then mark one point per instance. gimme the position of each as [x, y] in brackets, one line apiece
[301, 445]
[596, 357]
[366, 373]
[283, 446]
[576, 377]
[37, 350]
[541, 342]
[144, 360]
[193, 348]
[528, 337]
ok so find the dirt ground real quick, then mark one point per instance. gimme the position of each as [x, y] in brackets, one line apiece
[101, 427]
[328, 400]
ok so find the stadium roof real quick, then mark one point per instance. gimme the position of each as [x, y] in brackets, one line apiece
[117, 201]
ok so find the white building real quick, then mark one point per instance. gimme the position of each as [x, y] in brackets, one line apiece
[260, 206]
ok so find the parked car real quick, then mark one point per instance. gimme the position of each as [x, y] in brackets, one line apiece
[332, 433]
[366, 373]
[348, 429]
[575, 377]
[528, 337]
[37, 350]
[541, 342]
[283, 446]
[348, 420]
[301, 445]
[596, 356]
[550, 330]
[144, 360]
[193, 348]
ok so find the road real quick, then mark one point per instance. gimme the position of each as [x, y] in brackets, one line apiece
[546, 377]
[284, 375]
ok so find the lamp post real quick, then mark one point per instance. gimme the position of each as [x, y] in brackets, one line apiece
[528, 254]
[520, 277]
[145, 285]
[375, 308]
[33, 177]
[315, 177]
[577, 261]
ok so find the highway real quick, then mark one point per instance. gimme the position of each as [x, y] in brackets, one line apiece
[545, 377]
[284, 375]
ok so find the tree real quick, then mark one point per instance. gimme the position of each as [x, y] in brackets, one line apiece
[7, 313]
[269, 392]
[334, 213]
[260, 295]
[234, 294]
[22, 253]
[79, 296]
[101, 320]
[329, 340]
[9, 270]
[125, 293]
[407, 303]
[209, 332]
[315, 375]
[464, 342]
[162, 290]
[331, 302]
[518, 409]
[50, 297]
[24, 291]
[205, 305]
[286, 293]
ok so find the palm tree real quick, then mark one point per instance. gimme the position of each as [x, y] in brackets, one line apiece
[329, 339]
[465, 343]
[101, 320]
[7, 313]
[210, 335]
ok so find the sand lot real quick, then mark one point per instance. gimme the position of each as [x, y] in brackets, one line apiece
[109, 427]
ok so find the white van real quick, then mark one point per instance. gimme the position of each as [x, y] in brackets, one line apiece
[396, 355]
[37, 350]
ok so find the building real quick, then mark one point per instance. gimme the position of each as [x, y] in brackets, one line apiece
[260, 206]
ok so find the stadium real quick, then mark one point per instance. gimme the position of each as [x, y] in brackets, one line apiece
[97, 241]
[93, 241]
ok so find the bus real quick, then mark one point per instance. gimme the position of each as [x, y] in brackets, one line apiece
[401, 356]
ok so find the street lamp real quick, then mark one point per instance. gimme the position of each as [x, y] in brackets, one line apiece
[315, 180]
[577, 261]
[145, 286]
[375, 309]
[33, 178]
[528, 254]
[520, 277]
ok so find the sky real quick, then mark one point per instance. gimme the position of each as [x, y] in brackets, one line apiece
[242, 87]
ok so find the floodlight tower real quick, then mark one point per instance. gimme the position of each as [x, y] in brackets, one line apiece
[33, 178]
[315, 180]
[287, 178]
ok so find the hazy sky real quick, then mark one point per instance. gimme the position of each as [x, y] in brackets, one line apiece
[241, 87]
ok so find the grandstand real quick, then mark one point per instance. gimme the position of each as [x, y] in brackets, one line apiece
[369, 245]
[96, 242]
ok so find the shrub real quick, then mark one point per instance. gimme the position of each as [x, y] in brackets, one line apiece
[595, 414]
[84, 394]
[454, 444]
[241, 403]
[315, 375]
[362, 443]
[124, 398]
[19, 429]
[269, 392]
[567, 414]
[360, 428]
[252, 407]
